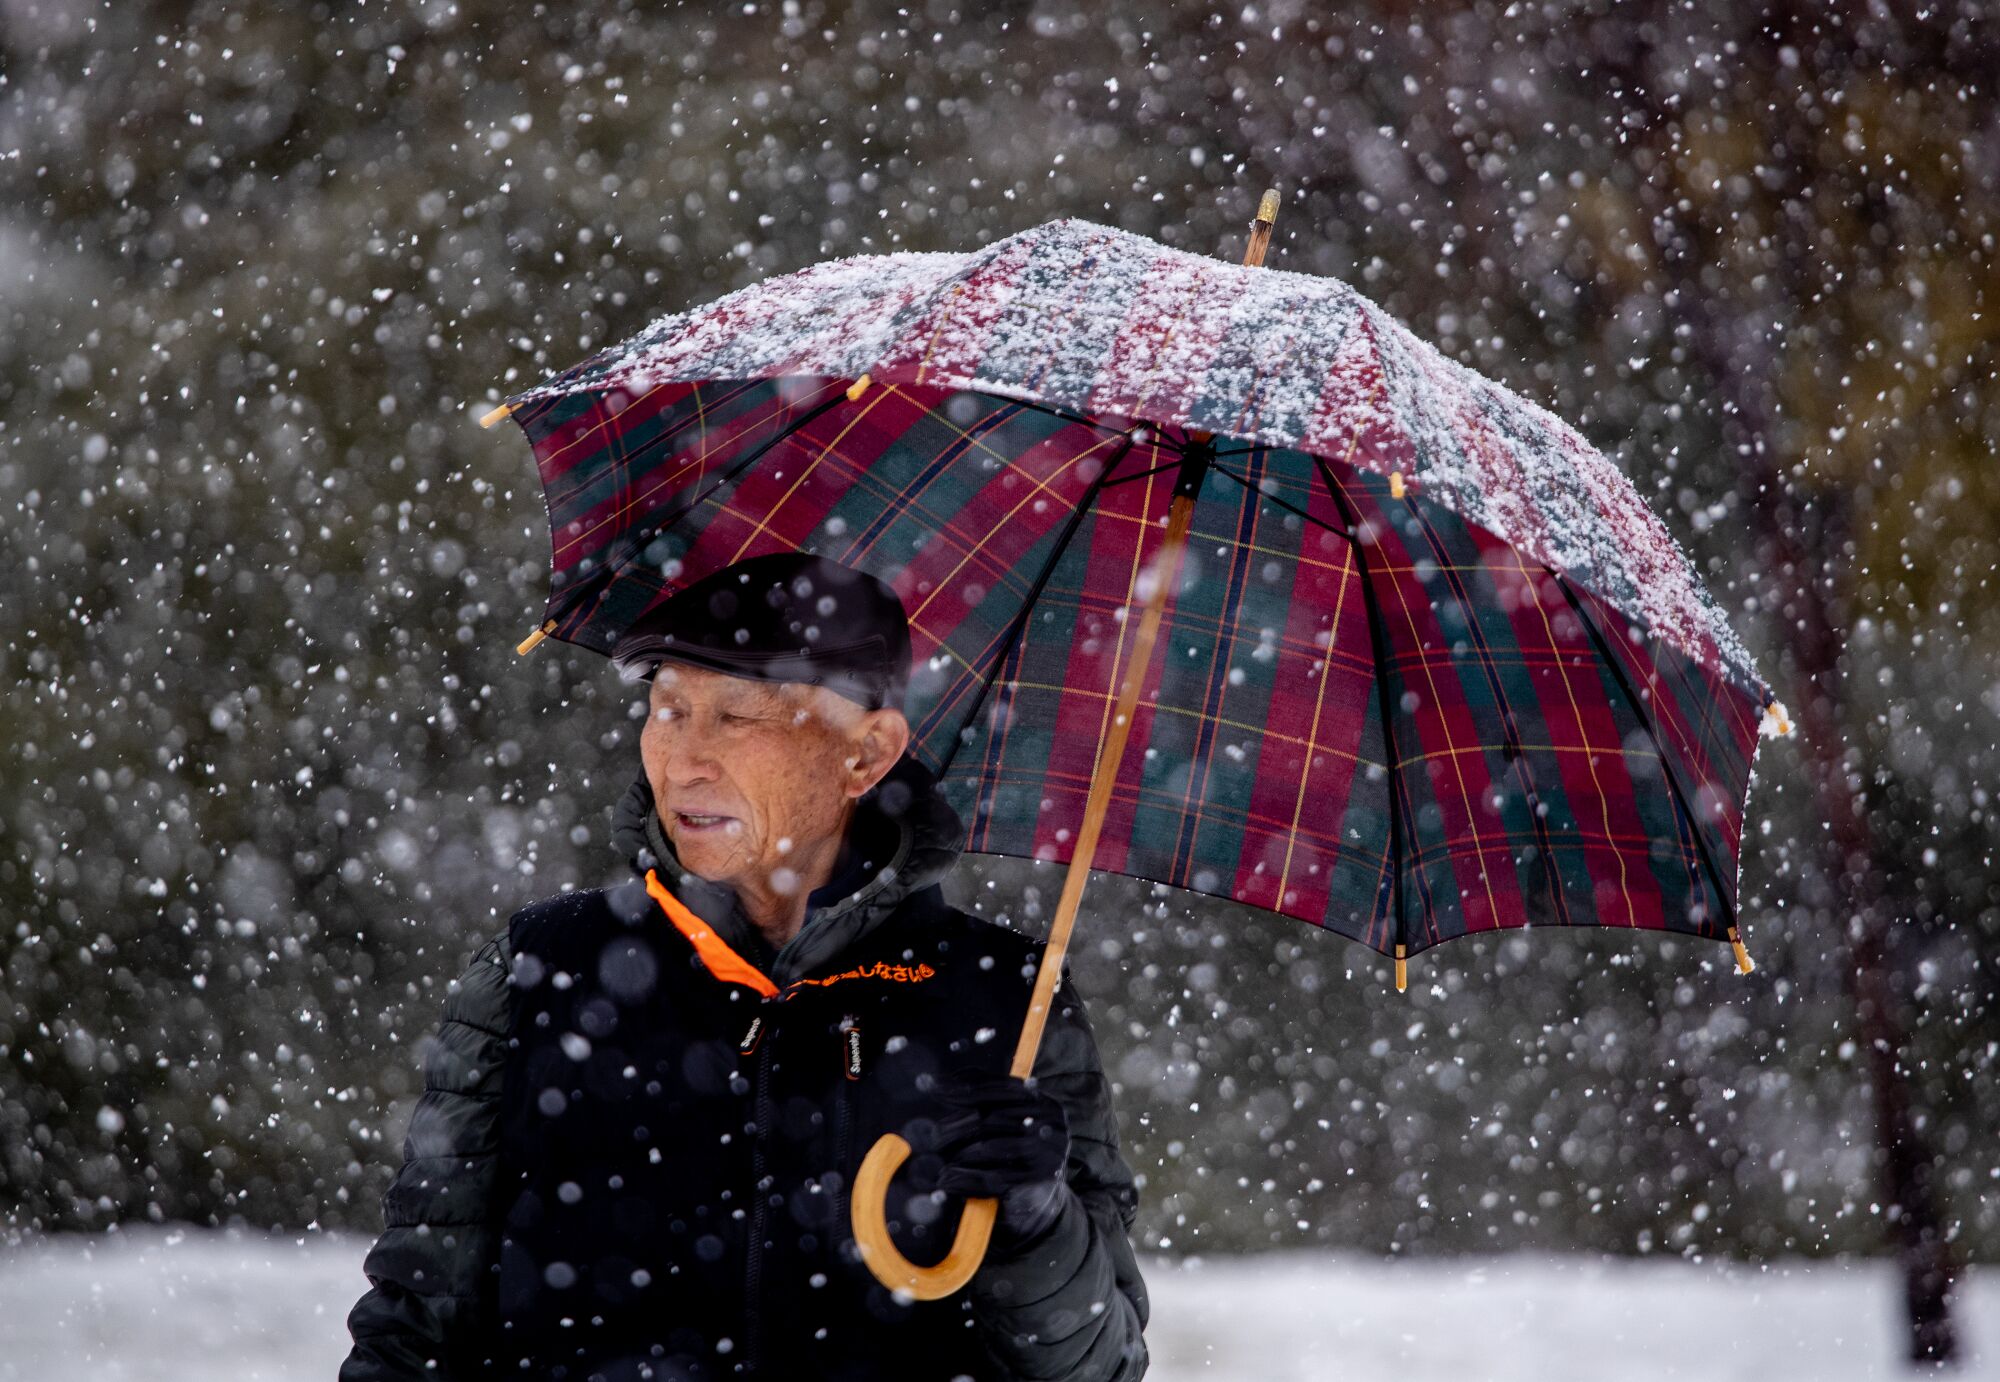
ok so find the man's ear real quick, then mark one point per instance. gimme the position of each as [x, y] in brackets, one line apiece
[879, 741]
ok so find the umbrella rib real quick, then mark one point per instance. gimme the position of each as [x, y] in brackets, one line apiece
[1378, 638]
[1313, 519]
[609, 572]
[1605, 654]
[1069, 417]
[1013, 636]
[1174, 464]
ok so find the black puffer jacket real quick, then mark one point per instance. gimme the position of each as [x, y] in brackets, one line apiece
[623, 1166]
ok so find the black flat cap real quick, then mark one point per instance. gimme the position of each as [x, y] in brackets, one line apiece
[786, 616]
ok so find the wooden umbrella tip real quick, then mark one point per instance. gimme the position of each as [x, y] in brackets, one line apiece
[527, 645]
[1260, 231]
[1402, 969]
[498, 413]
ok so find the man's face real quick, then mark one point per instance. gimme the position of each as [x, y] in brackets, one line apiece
[753, 779]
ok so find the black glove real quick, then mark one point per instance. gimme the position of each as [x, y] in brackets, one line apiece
[1005, 1139]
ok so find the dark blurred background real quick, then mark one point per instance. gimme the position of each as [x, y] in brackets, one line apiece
[273, 768]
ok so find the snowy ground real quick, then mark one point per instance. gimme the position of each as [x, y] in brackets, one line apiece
[175, 1306]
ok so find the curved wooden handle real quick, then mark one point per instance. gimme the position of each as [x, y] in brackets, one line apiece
[869, 1211]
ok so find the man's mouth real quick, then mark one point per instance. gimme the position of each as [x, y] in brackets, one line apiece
[690, 820]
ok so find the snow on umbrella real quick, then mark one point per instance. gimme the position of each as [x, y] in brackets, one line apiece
[1431, 666]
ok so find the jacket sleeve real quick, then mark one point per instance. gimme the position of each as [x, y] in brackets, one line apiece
[423, 1316]
[1071, 1304]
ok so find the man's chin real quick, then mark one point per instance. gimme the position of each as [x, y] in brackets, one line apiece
[703, 855]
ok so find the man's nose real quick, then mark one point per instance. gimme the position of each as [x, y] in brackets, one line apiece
[690, 757]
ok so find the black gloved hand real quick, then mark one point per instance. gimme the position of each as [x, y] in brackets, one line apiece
[1005, 1139]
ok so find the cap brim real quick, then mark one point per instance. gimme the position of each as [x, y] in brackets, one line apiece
[643, 661]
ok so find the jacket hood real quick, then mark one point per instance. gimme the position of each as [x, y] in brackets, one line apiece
[904, 818]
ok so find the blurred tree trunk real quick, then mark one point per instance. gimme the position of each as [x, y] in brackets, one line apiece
[1737, 322]
[1811, 615]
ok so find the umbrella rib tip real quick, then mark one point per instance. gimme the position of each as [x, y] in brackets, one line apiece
[1780, 721]
[1744, 964]
[527, 645]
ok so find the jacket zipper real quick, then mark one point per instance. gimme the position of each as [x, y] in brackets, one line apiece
[843, 1128]
[760, 1202]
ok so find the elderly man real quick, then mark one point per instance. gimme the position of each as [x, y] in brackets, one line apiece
[646, 1104]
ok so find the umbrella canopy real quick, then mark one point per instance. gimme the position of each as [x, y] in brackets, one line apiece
[1431, 666]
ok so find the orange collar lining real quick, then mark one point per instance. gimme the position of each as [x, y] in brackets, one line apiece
[723, 962]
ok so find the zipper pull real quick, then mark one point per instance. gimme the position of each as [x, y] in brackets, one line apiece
[850, 1047]
[751, 1037]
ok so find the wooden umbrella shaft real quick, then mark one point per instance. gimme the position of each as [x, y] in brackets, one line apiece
[1166, 571]
[868, 1206]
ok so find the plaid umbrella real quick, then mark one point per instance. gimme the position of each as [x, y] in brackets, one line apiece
[1430, 666]
[1434, 668]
